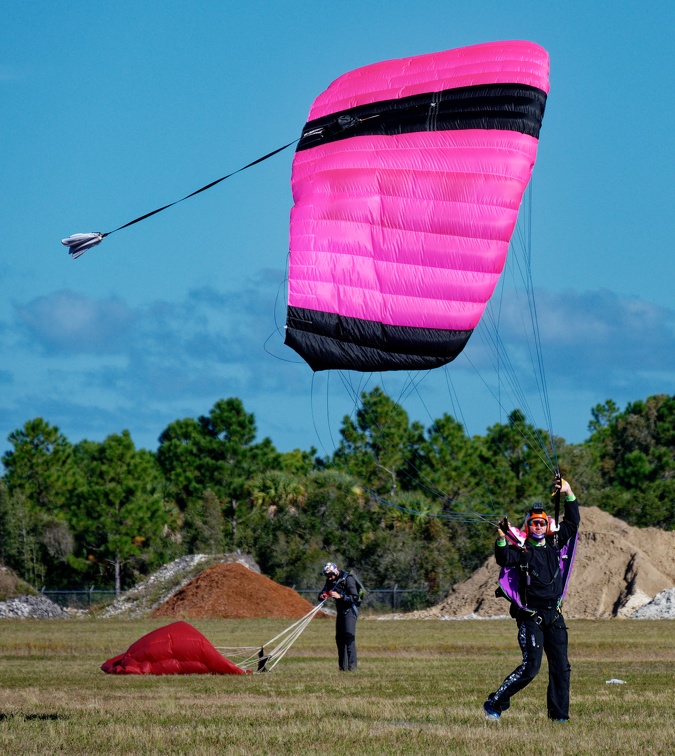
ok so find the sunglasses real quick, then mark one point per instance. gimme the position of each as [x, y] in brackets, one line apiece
[541, 523]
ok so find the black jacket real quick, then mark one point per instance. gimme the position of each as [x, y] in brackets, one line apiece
[346, 586]
[542, 561]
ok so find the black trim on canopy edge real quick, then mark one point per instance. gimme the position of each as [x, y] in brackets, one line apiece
[328, 341]
[505, 107]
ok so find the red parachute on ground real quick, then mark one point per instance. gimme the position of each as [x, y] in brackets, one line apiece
[175, 649]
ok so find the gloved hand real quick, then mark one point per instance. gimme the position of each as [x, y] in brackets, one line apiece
[561, 485]
[503, 528]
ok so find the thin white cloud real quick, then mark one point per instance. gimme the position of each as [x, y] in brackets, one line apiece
[207, 344]
[105, 363]
[67, 322]
[600, 336]
[607, 337]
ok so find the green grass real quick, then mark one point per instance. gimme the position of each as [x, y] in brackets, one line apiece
[419, 690]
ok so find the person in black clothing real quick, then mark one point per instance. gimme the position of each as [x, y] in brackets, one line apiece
[342, 587]
[541, 626]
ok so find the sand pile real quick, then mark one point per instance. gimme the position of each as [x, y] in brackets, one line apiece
[618, 569]
[233, 591]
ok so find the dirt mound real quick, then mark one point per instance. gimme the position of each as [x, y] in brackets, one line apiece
[140, 600]
[618, 569]
[233, 591]
[12, 586]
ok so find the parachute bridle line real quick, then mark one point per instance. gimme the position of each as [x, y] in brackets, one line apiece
[78, 246]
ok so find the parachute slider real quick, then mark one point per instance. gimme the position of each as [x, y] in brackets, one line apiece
[78, 244]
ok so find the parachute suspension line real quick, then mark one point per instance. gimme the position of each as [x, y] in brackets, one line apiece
[78, 244]
[353, 394]
[422, 480]
[278, 328]
[531, 434]
[288, 637]
[541, 374]
[412, 386]
[262, 660]
[491, 518]
[498, 360]
[489, 331]
[537, 360]
[475, 468]
[314, 424]
[384, 430]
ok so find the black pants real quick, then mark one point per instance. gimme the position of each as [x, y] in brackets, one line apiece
[345, 637]
[549, 637]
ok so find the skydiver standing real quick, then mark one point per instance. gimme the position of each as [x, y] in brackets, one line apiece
[342, 587]
[541, 626]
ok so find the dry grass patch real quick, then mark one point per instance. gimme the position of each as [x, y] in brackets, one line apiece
[419, 689]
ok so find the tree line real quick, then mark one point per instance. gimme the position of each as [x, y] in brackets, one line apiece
[402, 504]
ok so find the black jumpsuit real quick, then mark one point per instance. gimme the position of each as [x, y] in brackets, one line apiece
[345, 622]
[542, 630]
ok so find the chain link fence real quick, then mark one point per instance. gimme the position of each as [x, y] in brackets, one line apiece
[79, 599]
[379, 599]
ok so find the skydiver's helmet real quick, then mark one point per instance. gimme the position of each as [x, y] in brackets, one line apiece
[537, 514]
[331, 571]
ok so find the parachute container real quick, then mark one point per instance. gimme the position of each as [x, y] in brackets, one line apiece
[407, 182]
[175, 649]
[509, 577]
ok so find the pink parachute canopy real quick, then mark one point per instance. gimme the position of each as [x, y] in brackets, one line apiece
[175, 649]
[407, 182]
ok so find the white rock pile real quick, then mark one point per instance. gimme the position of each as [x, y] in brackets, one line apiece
[662, 606]
[32, 607]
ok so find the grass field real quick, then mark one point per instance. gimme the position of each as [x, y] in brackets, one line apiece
[419, 690]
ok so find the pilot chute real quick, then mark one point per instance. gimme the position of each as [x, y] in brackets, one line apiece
[407, 182]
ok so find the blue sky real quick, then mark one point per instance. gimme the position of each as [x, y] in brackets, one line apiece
[110, 110]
